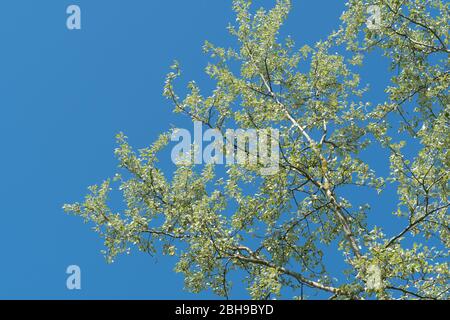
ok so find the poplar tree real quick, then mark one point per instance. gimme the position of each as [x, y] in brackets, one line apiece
[279, 232]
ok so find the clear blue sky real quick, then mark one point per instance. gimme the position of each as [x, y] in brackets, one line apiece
[63, 97]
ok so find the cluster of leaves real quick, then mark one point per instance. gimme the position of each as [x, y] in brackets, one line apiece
[279, 234]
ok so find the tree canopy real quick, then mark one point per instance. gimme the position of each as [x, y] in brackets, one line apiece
[276, 231]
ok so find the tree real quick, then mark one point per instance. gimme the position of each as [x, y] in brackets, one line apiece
[278, 229]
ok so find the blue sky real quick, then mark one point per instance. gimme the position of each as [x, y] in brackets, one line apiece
[64, 95]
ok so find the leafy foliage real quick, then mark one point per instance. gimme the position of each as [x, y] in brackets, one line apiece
[281, 232]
